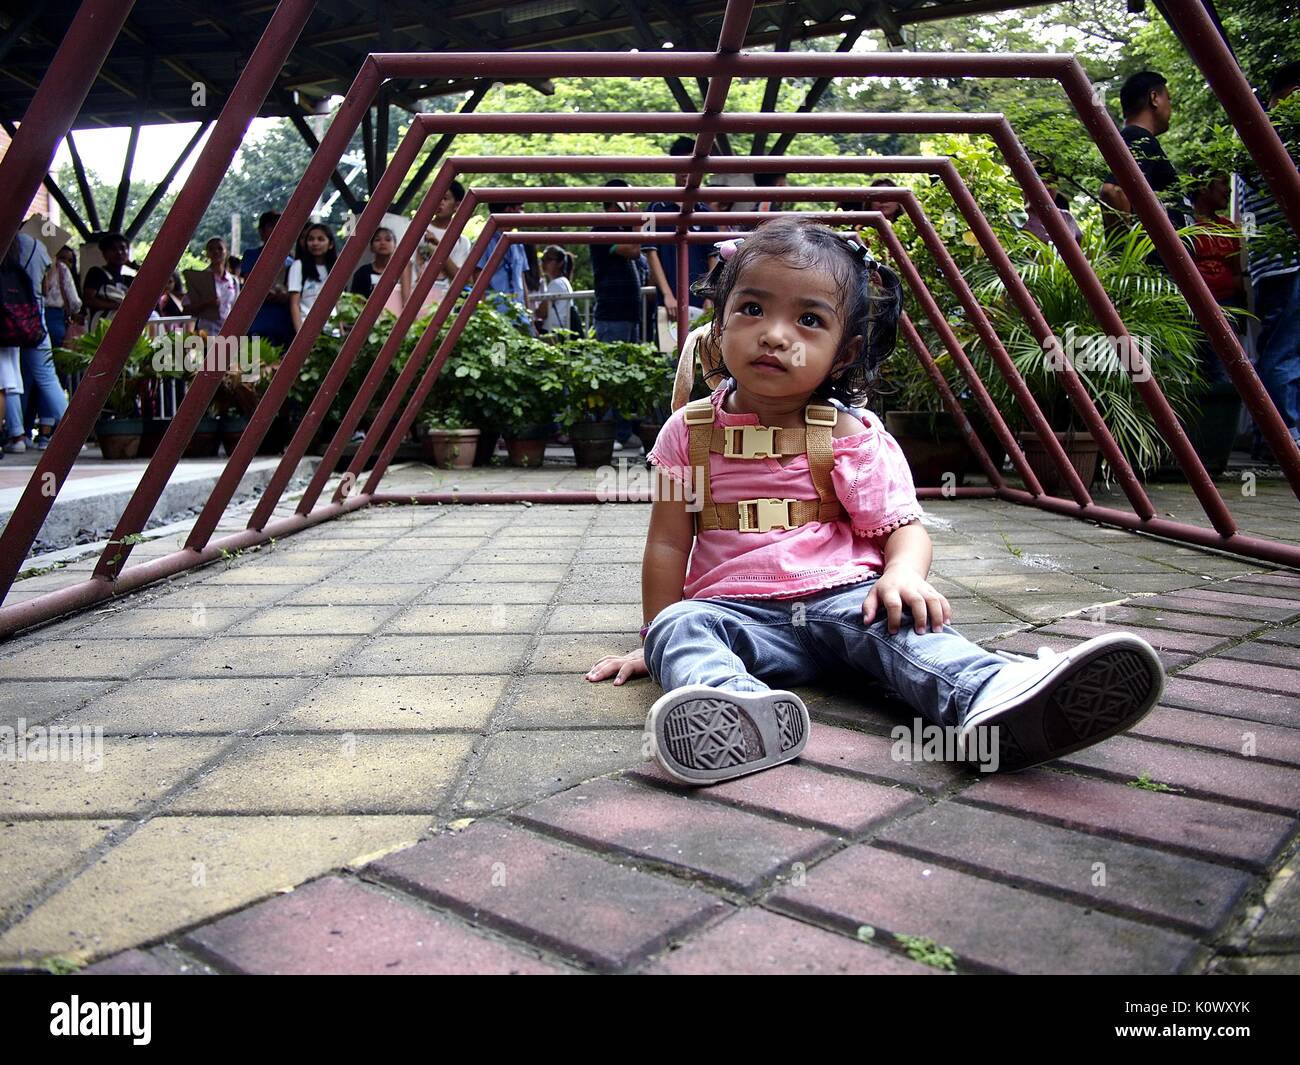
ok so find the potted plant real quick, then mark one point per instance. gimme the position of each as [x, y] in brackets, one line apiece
[449, 441]
[633, 379]
[1157, 318]
[915, 416]
[121, 425]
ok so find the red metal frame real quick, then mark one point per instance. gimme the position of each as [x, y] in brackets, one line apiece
[52, 113]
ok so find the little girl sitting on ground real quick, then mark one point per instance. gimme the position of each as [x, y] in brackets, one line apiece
[791, 545]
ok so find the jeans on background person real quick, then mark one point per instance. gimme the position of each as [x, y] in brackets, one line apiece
[1277, 304]
[751, 644]
[45, 401]
[57, 325]
[608, 332]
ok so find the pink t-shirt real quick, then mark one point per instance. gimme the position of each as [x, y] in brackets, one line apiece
[870, 478]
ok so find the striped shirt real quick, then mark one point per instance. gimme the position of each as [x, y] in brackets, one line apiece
[1259, 210]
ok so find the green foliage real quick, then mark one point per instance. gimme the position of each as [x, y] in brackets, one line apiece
[1148, 302]
[631, 378]
[926, 951]
[122, 400]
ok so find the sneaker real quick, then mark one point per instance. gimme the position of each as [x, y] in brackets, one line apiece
[42, 442]
[703, 735]
[1057, 703]
[16, 447]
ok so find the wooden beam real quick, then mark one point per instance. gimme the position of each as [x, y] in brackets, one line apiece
[87, 197]
[124, 185]
[155, 198]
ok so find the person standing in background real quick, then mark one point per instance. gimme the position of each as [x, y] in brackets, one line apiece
[272, 320]
[1275, 284]
[210, 315]
[316, 257]
[553, 312]
[62, 301]
[451, 200]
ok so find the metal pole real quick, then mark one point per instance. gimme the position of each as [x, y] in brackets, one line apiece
[213, 163]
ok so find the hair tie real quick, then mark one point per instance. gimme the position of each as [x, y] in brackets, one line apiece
[727, 248]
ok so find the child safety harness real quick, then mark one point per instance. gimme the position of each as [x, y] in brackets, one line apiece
[754, 442]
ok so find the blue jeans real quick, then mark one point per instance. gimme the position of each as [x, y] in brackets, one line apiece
[750, 644]
[1277, 303]
[608, 332]
[43, 397]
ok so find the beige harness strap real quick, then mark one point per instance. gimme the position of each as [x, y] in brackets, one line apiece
[763, 515]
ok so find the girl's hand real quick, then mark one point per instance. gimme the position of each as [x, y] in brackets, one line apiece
[626, 666]
[901, 586]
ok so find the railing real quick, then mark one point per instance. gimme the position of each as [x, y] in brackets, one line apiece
[586, 300]
[60, 94]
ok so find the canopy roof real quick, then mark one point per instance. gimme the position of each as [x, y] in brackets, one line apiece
[168, 46]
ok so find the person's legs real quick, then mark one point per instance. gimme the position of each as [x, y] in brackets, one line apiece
[611, 332]
[937, 674]
[1028, 710]
[1277, 304]
[736, 644]
[717, 718]
[47, 402]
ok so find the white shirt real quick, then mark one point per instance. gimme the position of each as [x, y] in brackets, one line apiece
[557, 314]
[309, 288]
[459, 253]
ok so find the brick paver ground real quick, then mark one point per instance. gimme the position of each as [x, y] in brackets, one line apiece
[371, 749]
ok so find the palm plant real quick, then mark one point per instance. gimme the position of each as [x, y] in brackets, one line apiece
[1149, 303]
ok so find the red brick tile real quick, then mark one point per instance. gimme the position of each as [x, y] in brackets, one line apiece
[758, 942]
[129, 963]
[575, 903]
[870, 755]
[1247, 607]
[1278, 585]
[1245, 675]
[1139, 882]
[1290, 637]
[1279, 579]
[1265, 653]
[1226, 734]
[987, 924]
[1195, 826]
[831, 801]
[1028, 643]
[1136, 613]
[334, 926]
[1203, 773]
[1233, 702]
[1195, 643]
[736, 849]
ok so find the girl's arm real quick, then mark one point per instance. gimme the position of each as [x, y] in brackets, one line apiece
[295, 311]
[907, 555]
[667, 549]
[663, 574]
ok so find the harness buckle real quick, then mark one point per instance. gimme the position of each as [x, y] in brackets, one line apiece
[756, 442]
[769, 514]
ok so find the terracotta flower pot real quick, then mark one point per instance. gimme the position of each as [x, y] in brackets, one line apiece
[593, 443]
[934, 447]
[526, 444]
[451, 449]
[205, 441]
[1080, 448]
[119, 438]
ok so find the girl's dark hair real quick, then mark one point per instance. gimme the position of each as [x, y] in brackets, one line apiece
[871, 296]
[383, 229]
[307, 259]
[554, 251]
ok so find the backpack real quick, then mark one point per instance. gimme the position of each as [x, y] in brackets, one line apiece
[575, 320]
[21, 324]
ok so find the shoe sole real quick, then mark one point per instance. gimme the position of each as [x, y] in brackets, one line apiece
[704, 735]
[1096, 694]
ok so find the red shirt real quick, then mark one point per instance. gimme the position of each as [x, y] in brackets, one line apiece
[1215, 258]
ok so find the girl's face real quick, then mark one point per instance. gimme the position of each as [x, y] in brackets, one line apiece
[317, 242]
[217, 253]
[553, 268]
[382, 244]
[781, 329]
